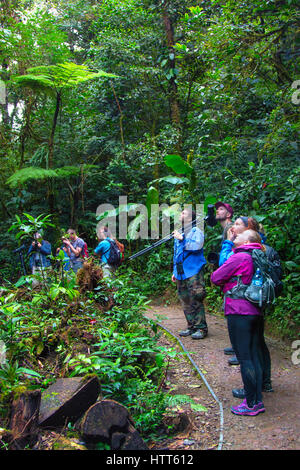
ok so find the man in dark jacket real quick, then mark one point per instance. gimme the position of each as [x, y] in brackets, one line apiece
[39, 251]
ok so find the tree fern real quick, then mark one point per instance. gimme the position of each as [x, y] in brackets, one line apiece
[49, 78]
[25, 175]
[21, 177]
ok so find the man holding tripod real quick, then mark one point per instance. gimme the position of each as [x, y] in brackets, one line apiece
[188, 273]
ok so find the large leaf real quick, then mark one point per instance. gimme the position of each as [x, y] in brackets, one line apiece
[178, 165]
[172, 180]
[115, 212]
[133, 227]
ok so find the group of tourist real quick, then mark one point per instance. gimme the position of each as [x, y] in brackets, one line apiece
[73, 248]
[245, 320]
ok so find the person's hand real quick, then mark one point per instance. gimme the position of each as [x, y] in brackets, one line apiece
[177, 235]
[173, 278]
[230, 234]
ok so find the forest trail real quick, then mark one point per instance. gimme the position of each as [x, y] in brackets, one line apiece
[276, 429]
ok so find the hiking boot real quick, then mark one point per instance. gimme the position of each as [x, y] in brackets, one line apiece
[238, 393]
[267, 388]
[199, 334]
[229, 351]
[186, 332]
[244, 410]
[233, 361]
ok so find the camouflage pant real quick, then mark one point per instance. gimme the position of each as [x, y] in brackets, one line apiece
[191, 293]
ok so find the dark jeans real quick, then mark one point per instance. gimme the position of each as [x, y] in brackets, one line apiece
[245, 336]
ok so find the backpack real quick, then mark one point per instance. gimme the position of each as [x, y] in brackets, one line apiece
[85, 253]
[116, 253]
[264, 295]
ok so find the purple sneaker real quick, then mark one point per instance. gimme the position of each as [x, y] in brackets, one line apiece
[244, 410]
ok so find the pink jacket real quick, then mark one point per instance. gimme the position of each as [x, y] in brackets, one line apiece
[240, 263]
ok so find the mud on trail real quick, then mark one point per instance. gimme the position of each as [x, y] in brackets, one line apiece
[276, 429]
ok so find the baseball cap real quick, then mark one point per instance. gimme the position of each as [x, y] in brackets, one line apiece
[227, 206]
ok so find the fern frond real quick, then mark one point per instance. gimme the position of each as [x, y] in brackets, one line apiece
[57, 77]
[22, 176]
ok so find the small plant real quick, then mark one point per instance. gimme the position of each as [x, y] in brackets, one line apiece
[11, 376]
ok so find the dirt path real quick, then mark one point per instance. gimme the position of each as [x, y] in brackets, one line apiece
[277, 428]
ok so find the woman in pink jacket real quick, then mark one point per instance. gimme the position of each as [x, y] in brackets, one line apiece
[243, 320]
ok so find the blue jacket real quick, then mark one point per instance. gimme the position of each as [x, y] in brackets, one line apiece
[188, 254]
[103, 249]
[45, 250]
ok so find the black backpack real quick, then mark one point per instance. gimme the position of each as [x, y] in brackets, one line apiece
[115, 255]
[275, 269]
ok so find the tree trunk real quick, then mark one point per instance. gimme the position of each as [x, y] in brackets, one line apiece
[51, 153]
[173, 91]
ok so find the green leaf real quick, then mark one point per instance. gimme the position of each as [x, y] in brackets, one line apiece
[178, 165]
[28, 372]
[197, 407]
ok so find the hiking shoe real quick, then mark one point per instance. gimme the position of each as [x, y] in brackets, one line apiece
[186, 332]
[199, 334]
[229, 351]
[244, 410]
[233, 361]
[238, 393]
[267, 387]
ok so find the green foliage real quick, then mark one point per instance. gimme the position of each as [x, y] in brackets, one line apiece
[230, 68]
[58, 77]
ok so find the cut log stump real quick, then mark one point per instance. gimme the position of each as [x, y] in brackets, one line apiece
[24, 419]
[109, 422]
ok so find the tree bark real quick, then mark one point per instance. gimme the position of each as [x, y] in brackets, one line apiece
[24, 419]
[173, 90]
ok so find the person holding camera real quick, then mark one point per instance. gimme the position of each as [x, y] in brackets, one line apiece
[38, 253]
[74, 248]
[188, 273]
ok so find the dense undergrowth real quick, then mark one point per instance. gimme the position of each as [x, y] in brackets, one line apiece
[62, 329]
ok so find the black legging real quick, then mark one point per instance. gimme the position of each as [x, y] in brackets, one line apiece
[266, 358]
[244, 333]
